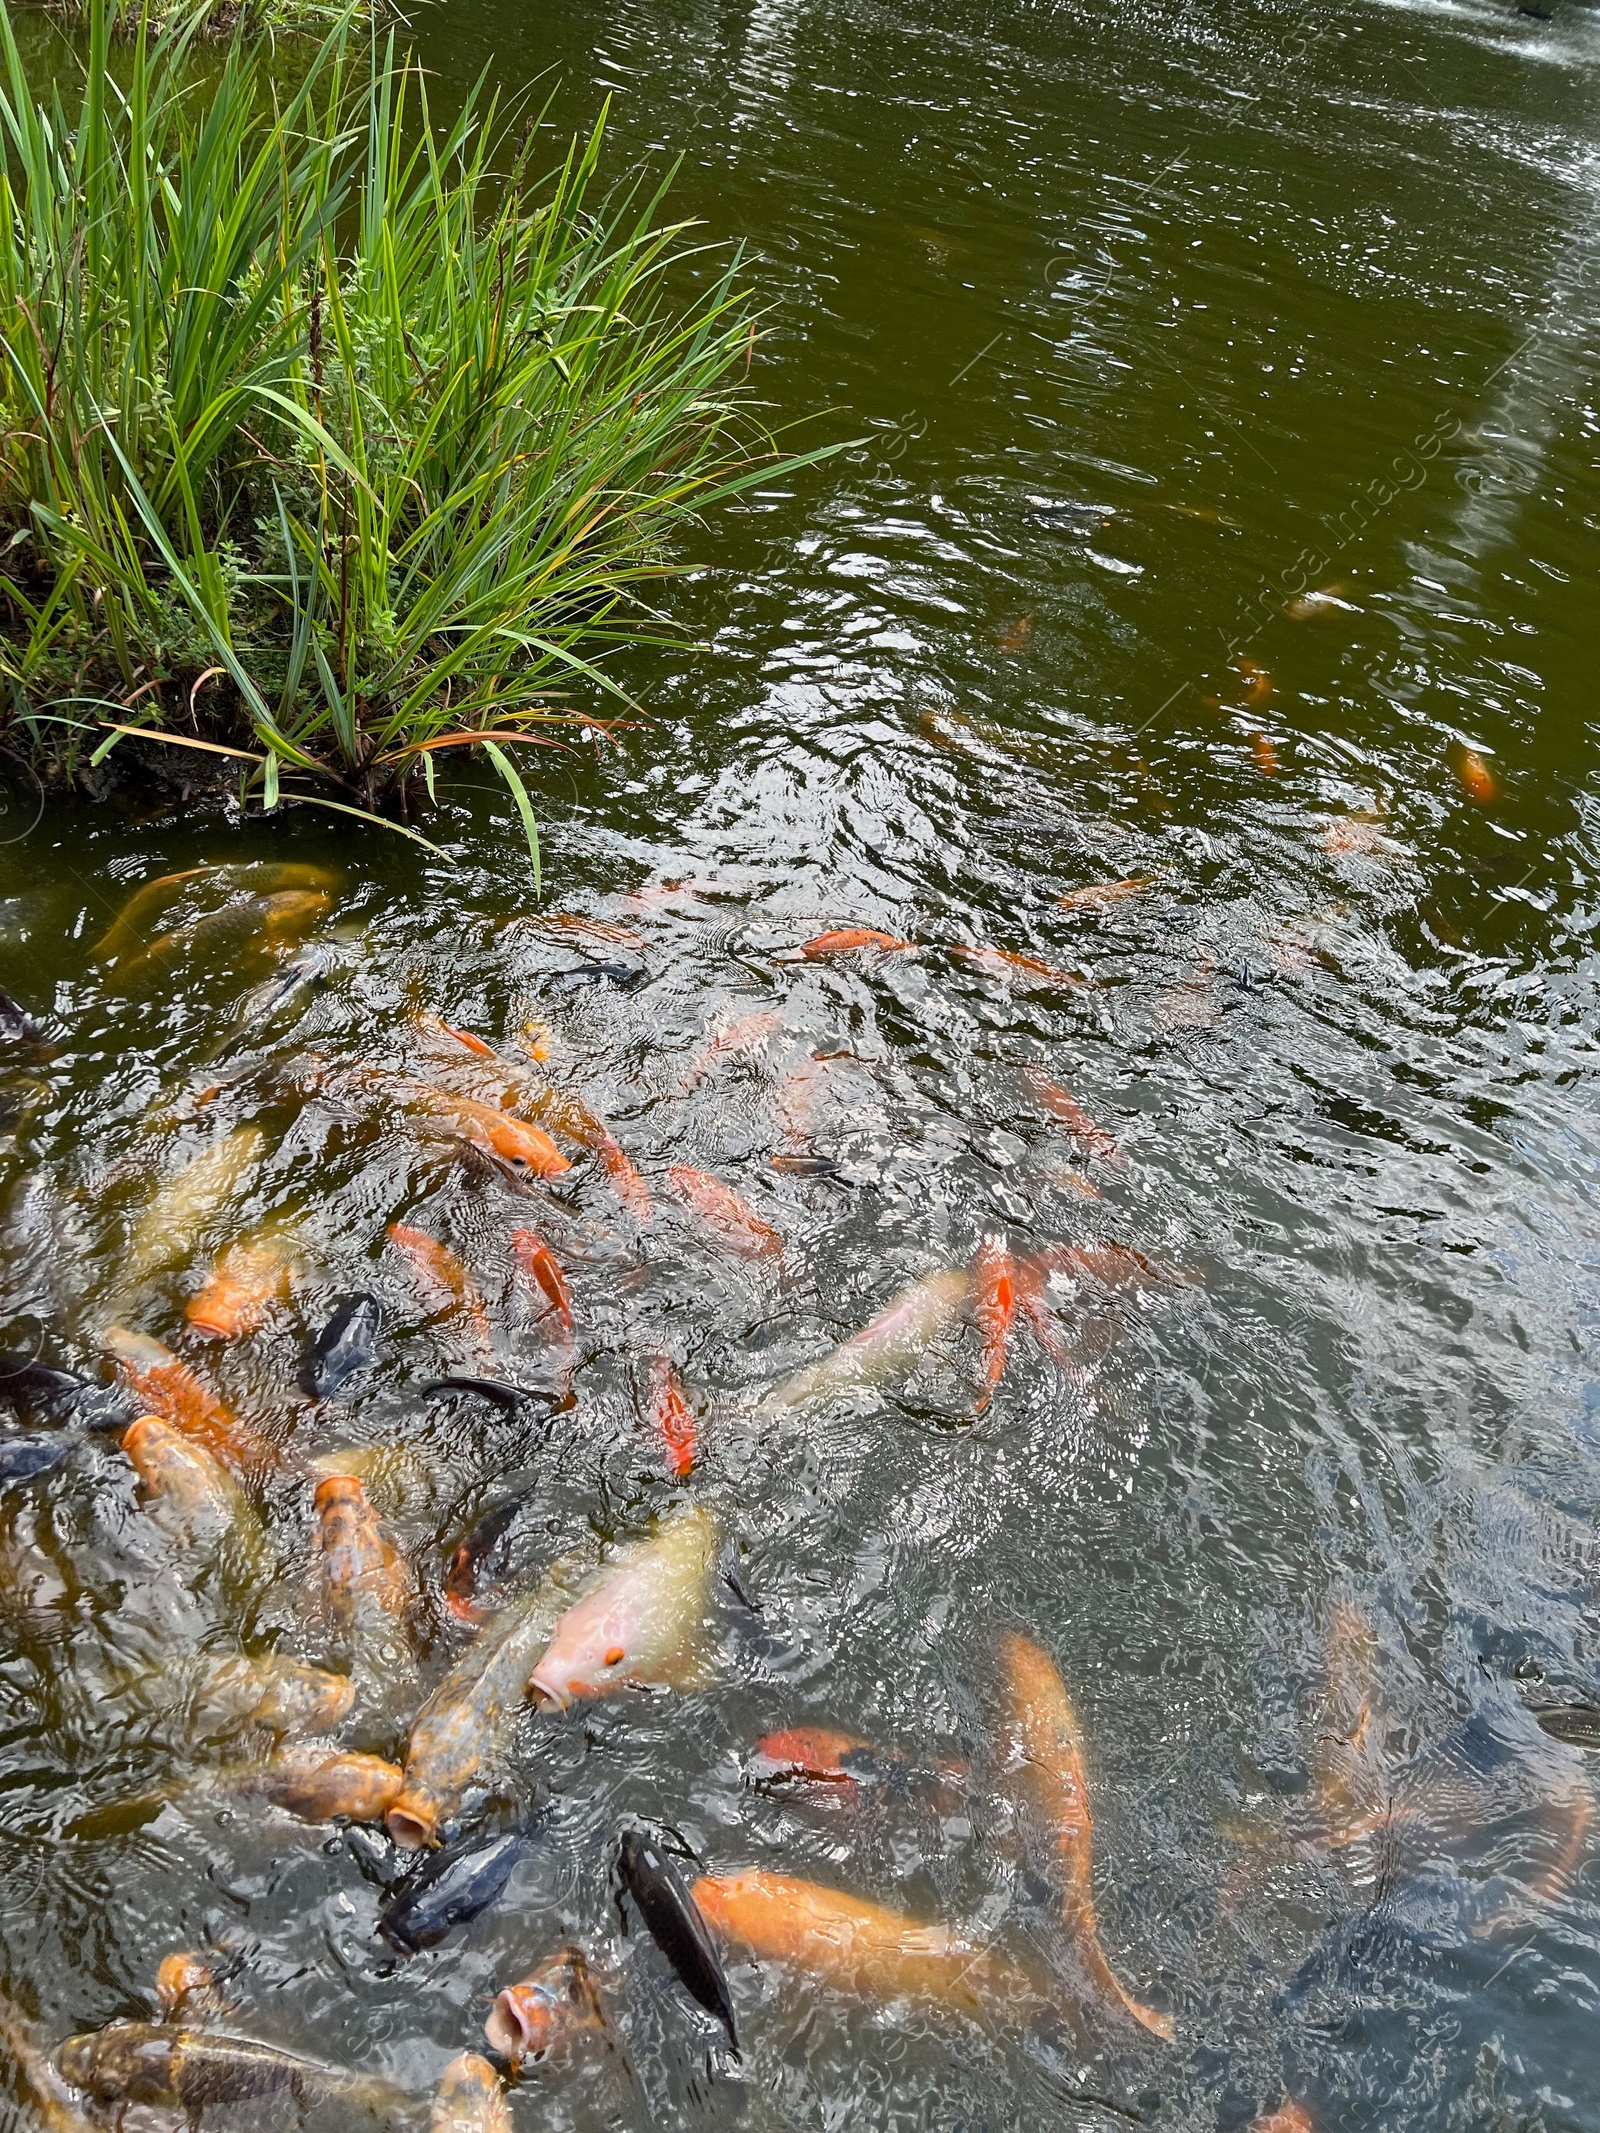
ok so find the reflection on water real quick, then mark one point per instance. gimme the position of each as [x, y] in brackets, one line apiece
[1200, 980]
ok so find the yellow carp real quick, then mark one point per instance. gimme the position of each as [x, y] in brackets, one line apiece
[461, 1735]
[642, 1620]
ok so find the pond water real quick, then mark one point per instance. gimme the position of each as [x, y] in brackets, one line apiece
[1222, 522]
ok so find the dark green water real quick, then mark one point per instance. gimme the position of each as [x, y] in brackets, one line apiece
[1153, 321]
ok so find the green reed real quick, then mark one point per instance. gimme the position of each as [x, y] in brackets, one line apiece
[334, 437]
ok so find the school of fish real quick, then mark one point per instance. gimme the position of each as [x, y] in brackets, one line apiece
[407, 1690]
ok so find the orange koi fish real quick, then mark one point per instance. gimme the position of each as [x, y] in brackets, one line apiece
[432, 1026]
[847, 939]
[722, 1208]
[440, 1273]
[245, 1281]
[1265, 754]
[496, 1132]
[813, 1753]
[1289, 2117]
[542, 1269]
[889, 1343]
[187, 1988]
[739, 1039]
[1015, 637]
[993, 1303]
[561, 1111]
[1477, 779]
[318, 1787]
[1100, 893]
[1356, 837]
[1043, 1760]
[1348, 1776]
[1051, 1097]
[632, 1190]
[170, 1390]
[670, 1415]
[866, 1949]
[192, 1495]
[1007, 963]
[1257, 682]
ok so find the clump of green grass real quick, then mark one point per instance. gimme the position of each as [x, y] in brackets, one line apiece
[333, 437]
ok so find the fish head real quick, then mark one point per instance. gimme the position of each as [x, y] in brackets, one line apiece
[148, 1441]
[180, 1974]
[413, 1820]
[126, 2062]
[549, 2005]
[339, 1495]
[589, 1652]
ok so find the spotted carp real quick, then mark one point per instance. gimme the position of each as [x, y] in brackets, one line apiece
[166, 1385]
[245, 926]
[867, 1950]
[817, 1754]
[889, 1343]
[723, 1210]
[460, 1736]
[470, 2098]
[357, 1568]
[196, 2070]
[1042, 1763]
[552, 2006]
[261, 876]
[44, 2091]
[642, 1620]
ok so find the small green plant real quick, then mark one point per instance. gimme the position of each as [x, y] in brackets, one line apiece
[325, 442]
